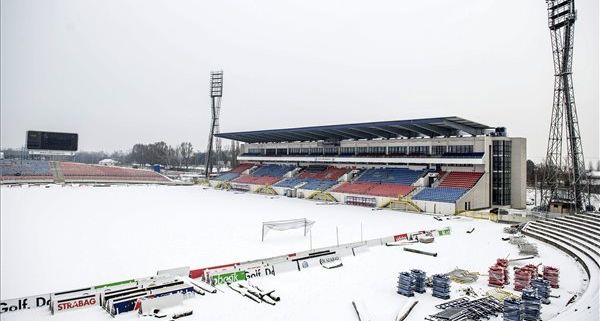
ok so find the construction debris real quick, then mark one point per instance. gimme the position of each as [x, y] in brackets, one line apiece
[528, 249]
[471, 231]
[420, 252]
[462, 276]
[513, 229]
[405, 311]
[501, 295]
[496, 276]
[464, 309]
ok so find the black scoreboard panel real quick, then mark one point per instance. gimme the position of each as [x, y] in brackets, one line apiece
[52, 141]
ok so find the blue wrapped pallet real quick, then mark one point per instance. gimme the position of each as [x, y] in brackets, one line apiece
[511, 310]
[531, 305]
[405, 284]
[543, 289]
[441, 286]
[418, 280]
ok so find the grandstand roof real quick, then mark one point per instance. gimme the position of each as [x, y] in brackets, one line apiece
[425, 127]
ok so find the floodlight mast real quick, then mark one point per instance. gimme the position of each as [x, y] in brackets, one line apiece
[566, 188]
[216, 92]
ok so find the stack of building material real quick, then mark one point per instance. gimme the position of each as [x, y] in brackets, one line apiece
[531, 305]
[496, 275]
[543, 289]
[512, 310]
[405, 284]
[522, 279]
[441, 286]
[528, 249]
[551, 274]
[418, 277]
[504, 264]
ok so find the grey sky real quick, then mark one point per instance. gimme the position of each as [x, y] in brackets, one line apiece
[122, 72]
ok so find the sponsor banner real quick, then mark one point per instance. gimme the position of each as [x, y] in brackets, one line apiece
[400, 237]
[259, 271]
[181, 271]
[148, 305]
[30, 302]
[330, 261]
[113, 284]
[359, 249]
[85, 301]
[444, 231]
[228, 277]
[285, 266]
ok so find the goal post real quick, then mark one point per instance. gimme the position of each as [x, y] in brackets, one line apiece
[284, 225]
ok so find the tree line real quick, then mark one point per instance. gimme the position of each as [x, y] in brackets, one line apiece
[182, 155]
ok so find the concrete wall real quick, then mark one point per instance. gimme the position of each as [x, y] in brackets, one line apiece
[479, 195]
[518, 161]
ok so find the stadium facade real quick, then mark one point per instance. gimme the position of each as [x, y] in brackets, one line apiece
[442, 165]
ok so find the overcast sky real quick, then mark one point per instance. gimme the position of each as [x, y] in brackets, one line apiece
[123, 72]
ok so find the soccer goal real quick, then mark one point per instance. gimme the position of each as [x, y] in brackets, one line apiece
[286, 225]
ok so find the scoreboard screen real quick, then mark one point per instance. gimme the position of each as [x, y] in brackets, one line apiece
[52, 141]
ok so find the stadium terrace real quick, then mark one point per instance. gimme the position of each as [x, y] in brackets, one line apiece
[441, 165]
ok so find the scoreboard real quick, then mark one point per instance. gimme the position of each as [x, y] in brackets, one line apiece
[39, 140]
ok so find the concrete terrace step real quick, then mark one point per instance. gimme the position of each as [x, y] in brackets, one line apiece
[594, 240]
[585, 220]
[583, 244]
[589, 216]
[578, 222]
[591, 232]
[589, 298]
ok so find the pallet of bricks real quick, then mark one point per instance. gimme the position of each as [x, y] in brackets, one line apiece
[498, 274]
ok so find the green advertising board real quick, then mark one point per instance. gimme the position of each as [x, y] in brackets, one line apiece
[444, 231]
[228, 277]
[113, 284]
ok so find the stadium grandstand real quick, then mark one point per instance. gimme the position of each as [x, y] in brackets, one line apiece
[41, 171]
[441, 165]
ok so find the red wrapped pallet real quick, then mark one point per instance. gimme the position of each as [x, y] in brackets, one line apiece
[522, 278]
[551, 274]
[496, 276]
[533, 269]
[504, 264]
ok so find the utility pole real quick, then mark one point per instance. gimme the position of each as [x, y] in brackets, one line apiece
[216, 92]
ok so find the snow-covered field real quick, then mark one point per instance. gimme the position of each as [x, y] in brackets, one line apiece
[62, 238]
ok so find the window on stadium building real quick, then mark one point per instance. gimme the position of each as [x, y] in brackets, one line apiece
[330, 150]
[347, 151]
[270, 151]
[281, 151]
[418, 150]
[397, 150]
[438, 150]
[501, 172]
[362, 150]
[315, 151]
[377, 150]
[460, 149]
[256, 151]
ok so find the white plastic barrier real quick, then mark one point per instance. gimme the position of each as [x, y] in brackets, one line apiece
[166, 301]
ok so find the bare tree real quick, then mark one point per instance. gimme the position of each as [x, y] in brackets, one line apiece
[187, 151]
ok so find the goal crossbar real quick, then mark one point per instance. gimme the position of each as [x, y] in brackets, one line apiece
[283, 225]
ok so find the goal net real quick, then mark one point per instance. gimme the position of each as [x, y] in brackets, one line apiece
[286, 225]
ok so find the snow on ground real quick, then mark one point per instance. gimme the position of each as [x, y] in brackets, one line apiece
[62, 238]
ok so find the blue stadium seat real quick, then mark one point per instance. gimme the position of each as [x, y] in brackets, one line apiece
[227, 177]
[402, 176]
[9, 167]
[272, 170]
[307, 183]
[440, 194]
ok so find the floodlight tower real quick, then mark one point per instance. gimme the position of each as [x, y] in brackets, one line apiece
[558, 187]
[216, 92]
